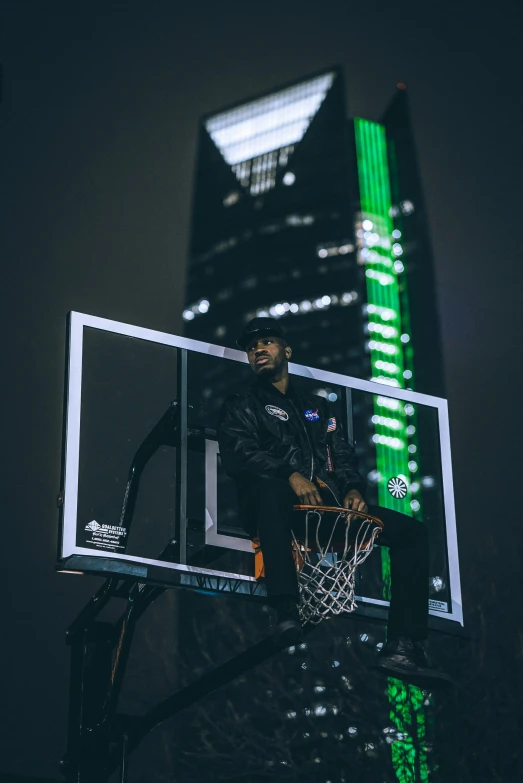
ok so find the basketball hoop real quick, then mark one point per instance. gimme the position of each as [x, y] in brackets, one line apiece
[329, 544]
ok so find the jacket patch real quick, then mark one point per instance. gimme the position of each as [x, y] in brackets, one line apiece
[278, 412]
[311, 415]
[332, 425]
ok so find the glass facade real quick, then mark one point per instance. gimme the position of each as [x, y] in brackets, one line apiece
[273, 228]
[395, 422]
[268, 124]
[304, 215]
[380, 254]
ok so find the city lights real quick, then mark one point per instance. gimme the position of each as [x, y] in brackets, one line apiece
[231, 199]
[387, 440]
[312, 260]
[268, 124]
[376, 345]
[379, 251]
[389, 367]
[334, 250]
[381, 277]
[200, 308]
[394, 424]
[280, 309]
[386, 331]
[384, 380]
[387, 402]
[385, 313]
[367, 256]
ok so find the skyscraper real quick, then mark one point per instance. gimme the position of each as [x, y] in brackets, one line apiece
[273, 227]
[306, 215]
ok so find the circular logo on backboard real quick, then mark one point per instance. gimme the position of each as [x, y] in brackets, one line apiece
[397, 487]
[278, 412]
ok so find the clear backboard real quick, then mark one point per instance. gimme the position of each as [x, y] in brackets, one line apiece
[144, 494]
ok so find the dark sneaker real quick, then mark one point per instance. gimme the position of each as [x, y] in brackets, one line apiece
[406, 659]
[287, 625]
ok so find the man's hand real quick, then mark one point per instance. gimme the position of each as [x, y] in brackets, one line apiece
[306, 491]
[355, 501]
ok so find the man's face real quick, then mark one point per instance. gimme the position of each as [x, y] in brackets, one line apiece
[267, 355]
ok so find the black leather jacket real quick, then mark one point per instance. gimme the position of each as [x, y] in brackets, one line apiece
[265, 434]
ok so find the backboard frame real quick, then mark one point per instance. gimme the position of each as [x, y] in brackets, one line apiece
[77, 559]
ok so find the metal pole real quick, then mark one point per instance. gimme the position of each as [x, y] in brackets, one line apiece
[349, 423]
[125, 756]
[349, 429]
[207, 684]
[181, 458]
[88, 749]
[92, 608]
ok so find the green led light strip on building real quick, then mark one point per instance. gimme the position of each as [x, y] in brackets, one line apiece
[385, 319]
[389, 360]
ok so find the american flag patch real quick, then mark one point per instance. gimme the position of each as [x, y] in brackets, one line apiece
[331, 425]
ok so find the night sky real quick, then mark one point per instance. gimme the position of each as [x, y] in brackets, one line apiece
[98, 126]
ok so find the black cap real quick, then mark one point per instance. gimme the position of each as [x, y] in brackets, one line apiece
[257, 327]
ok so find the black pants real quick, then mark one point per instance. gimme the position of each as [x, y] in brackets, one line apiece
[270, 516]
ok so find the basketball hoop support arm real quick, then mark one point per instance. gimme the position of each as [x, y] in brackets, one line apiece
[99, 738]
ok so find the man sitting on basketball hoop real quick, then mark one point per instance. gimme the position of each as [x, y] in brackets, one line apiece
[282, 447]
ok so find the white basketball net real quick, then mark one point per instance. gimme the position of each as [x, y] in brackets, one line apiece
[327, 578]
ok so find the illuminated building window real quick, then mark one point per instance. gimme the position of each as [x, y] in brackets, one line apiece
[270, 123]
[325, 302]
[259, 137]
[407, 207]
[200, 308]
[335, 250]
[231, 199]
[378, 252]
[299, 220]
[379, 249]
